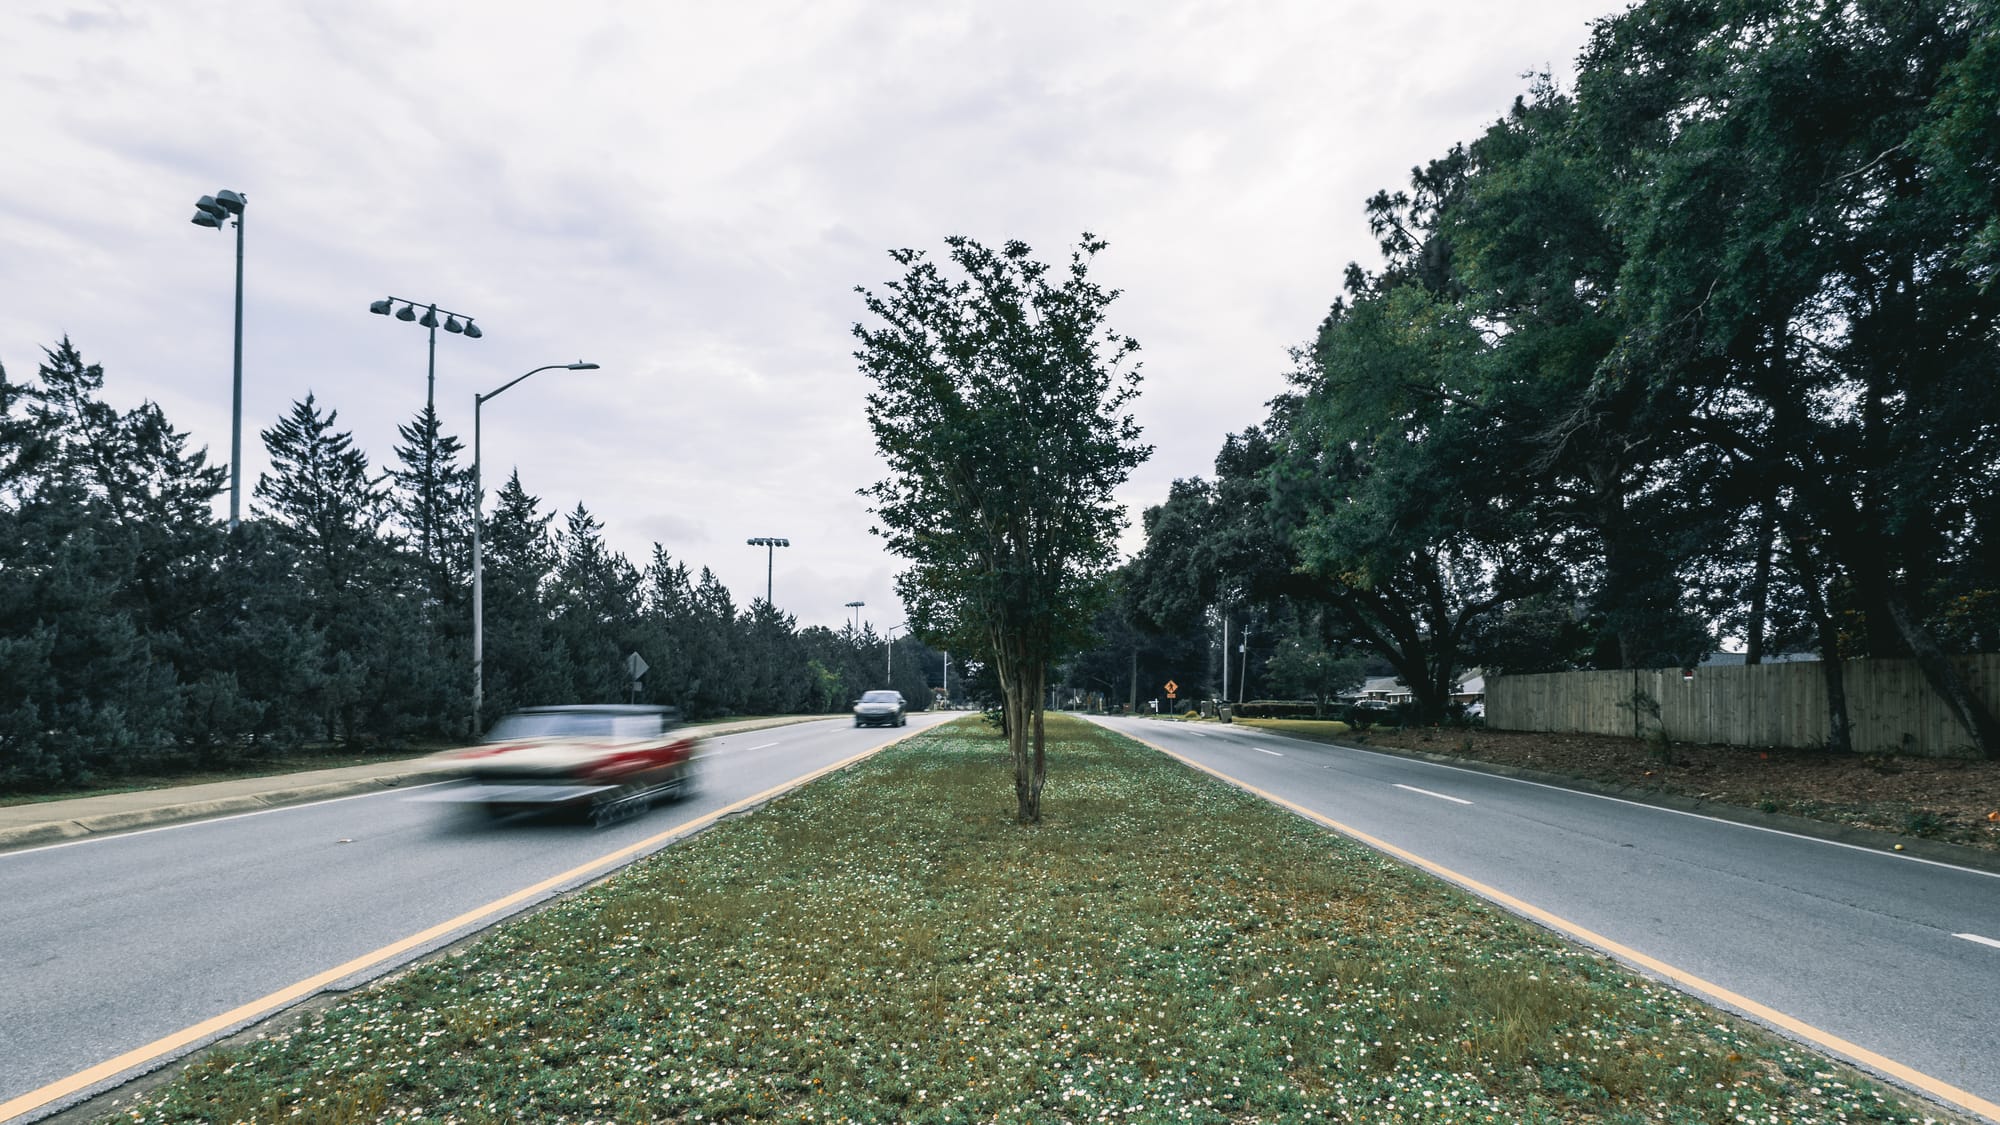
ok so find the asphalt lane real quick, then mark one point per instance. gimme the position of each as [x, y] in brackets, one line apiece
[110, 943]
[1878, 948]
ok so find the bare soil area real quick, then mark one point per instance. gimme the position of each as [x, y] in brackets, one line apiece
[1951, 800]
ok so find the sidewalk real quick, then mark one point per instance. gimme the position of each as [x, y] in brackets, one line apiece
[52, 822]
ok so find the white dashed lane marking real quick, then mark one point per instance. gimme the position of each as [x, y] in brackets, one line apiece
[1439, 796]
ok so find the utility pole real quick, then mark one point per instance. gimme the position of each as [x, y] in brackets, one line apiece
[1225, 656]
[1243, 680]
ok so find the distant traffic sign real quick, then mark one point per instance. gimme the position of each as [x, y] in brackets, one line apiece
[1172, 687]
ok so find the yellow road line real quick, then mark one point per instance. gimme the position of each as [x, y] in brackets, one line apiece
[290, 994]
[1943, 1091]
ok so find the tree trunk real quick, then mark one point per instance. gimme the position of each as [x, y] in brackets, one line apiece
[1839, 730]
[1017, 745]
[1021, 687]
[1760, 593]
[1032, 813]
[1026, 743]
[1944, 679]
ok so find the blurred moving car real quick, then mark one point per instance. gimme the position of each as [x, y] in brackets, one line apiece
[604, 762]
[880, 709]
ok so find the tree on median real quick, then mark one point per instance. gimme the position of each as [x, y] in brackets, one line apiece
[999, 406]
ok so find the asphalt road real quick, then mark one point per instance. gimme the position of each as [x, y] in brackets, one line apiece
[1897, 955]
[112, 943]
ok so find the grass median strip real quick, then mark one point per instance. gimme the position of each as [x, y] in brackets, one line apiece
[886, 945]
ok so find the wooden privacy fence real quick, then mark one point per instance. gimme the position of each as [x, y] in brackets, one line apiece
[1893, 709]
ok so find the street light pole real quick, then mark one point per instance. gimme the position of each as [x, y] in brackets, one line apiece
[889, 656]
[856, 607]
[770, 546]
[211, 211]
[478, 573]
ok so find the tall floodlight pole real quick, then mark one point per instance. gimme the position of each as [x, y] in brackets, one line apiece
[212, 211]
[770, 546]
[451, 323]
[478, 574]
[856, 607]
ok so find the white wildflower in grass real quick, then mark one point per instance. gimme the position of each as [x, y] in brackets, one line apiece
[886, 945]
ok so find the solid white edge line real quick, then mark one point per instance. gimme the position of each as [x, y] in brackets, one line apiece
[1428, 793]
[1656, 808]
[1979, 939]
[105, 837]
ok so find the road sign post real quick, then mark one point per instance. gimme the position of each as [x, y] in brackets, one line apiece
[635, 668]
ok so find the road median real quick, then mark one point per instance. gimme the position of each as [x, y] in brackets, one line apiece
[887, 944]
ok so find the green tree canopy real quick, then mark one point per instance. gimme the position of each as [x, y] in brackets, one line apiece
[999, 404]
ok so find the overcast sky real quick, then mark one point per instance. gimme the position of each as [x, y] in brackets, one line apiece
[687, 194]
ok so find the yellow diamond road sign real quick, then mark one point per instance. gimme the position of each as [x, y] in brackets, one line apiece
[1172, 687]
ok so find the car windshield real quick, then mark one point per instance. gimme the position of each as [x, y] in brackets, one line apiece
[572, 724]
[880, 697]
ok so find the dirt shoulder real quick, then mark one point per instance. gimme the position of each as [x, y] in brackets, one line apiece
[1949, 800]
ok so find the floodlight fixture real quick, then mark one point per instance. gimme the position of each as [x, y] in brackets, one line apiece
[456, 323]
[770, 545]
[208, 212]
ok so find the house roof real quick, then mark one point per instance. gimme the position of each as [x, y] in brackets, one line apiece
[1725, 659]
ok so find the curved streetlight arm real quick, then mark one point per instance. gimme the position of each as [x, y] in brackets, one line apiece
[477, 399]
[478, 575]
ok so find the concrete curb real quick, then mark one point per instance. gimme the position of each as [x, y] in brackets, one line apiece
[59, 829]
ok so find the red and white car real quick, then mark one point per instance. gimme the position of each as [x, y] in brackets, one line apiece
[606, 762]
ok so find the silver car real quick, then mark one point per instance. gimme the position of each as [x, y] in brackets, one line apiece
[880, 709]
